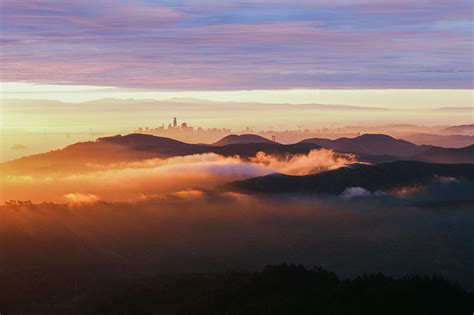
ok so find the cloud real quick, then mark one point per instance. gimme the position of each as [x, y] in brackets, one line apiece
[81, 198]
[313, 162]
[192, 176]
[441, 189]
[354, 192]
[182, 176]
[238, 45]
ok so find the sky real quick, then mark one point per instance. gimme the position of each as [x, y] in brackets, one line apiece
[187, 48]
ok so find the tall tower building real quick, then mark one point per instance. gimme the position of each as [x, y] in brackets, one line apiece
[175, 123]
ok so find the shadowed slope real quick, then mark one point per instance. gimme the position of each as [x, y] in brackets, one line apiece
[382, 177]
[133, 147]
[447, 155]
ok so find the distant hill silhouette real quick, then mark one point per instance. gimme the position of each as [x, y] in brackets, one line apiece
[370, 144]
[382, 176]
[239, 139]
[460, 130]
[377, 148]
[447, 155]
[446, 141]
[133, 147]
[154, 145]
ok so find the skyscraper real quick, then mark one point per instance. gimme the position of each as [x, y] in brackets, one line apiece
[175, 122]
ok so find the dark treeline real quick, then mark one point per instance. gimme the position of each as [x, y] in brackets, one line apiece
[282, 289]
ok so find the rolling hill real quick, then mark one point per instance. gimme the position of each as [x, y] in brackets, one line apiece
[384, 176]
[446, 155]
[136, 147]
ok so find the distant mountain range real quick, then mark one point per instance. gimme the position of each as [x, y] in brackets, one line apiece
[446, 155]
[174, 103]
[379, 148]
[460, 130]
[192, 102]
[380, 177]
[446, 141]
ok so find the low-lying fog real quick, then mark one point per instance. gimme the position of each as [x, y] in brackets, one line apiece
[143, 179]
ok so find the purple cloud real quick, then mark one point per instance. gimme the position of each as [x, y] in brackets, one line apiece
[202, 45]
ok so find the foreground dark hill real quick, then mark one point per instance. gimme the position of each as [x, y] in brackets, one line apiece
[370, 144]
[137, 147]
[380, 177]
[447, 155]
[286, 289]
[280, 289]
[241, 139]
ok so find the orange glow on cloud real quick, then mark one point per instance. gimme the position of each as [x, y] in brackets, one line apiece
[81, 198]
[185, 177]
[314, 162]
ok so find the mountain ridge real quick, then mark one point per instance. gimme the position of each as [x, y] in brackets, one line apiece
[370, 144]
[136, 147]
[441, 155]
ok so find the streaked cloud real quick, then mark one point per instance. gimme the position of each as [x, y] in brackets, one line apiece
[235, 45]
